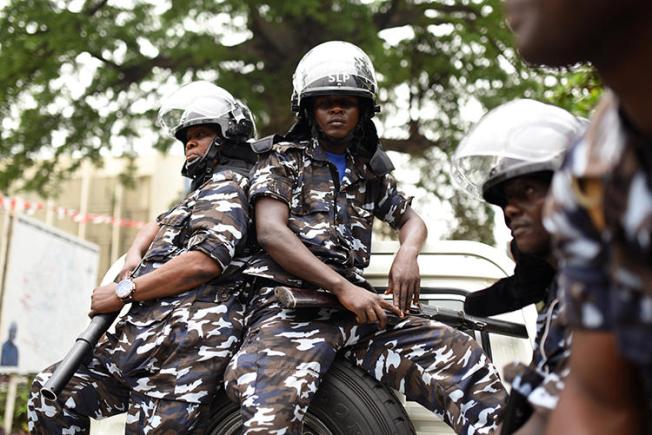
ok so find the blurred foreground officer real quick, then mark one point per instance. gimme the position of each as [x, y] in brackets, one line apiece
[600, 211]
[509, 159]
[167, 357]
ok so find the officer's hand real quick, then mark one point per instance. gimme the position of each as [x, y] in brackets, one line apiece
[131, 262]
[368, 307]
[104, 300]
[404, 280]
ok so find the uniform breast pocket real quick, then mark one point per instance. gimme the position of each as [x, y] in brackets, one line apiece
[313, 219]
[168, 240]
[310, 201]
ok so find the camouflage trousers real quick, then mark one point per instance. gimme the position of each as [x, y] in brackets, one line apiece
[163, 374]
[94, 392]
[285, 353]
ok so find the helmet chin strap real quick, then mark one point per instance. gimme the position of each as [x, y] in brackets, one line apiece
[322, 137]
[200, 168]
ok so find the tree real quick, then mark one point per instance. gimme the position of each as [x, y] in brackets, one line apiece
[79, 78]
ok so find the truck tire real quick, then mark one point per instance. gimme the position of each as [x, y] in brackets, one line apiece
[348, 402]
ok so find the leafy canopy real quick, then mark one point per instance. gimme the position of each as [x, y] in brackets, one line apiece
[79, 78]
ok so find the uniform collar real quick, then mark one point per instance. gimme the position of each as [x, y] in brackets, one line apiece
[356, 167]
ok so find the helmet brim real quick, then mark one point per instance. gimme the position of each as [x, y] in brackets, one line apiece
[492, 189]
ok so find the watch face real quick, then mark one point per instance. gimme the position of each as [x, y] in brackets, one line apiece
[124, 288]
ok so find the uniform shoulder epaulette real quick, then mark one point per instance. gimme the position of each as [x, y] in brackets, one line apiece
[230, 175]
[275, 142]
[380, 162]
[265, 144]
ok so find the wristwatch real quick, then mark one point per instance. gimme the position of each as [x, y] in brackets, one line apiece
[125, 290]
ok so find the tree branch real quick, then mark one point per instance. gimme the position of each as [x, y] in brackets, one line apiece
[104, 60]
[382, 19]
[138, 70]
[91, 9]
[415, 145]
[270, 36]
[397, 16]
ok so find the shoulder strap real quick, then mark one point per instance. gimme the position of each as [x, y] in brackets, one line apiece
[265, 144]
[380, 163]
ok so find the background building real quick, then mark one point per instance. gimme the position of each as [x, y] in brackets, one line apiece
[96, 206]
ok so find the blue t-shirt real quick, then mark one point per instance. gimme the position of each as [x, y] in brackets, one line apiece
[339, 160]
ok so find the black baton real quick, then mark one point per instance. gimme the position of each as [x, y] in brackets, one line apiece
[80, 351]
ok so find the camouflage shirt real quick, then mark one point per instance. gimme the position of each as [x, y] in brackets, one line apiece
[333, 220]
[600, 214]
[213, 219]
[170, 347]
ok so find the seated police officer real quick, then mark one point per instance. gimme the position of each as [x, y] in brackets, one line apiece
[167, 356]
[315, 198]
[509, 158]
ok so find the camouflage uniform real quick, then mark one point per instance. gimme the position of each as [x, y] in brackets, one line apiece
[543, 379]
[606, 251]
[167, 356]
[286, 352]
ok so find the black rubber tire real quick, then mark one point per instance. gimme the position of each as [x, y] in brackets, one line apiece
[348, 402]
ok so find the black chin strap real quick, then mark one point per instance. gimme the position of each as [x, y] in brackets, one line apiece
[318, 134]
[199, 169]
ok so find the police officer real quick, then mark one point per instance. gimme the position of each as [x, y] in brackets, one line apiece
[600, 211]
[167, 356]
[509, 158]
[315, 198]
[232, 155]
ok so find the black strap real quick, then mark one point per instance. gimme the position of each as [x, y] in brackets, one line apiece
[265, 144]
[380, 163]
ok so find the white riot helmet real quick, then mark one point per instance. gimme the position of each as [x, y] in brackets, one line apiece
[203, 103]
[517, 138]
[331, 68]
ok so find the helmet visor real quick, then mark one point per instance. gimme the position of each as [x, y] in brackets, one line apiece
[193, 104]
[513, 136]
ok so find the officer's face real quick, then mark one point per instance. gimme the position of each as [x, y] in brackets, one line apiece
[336, 115]
[198, 138]
[525, 197]
[562, 32]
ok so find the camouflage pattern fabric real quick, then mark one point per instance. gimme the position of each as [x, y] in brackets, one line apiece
[334, 221]
[606, 251]
[286, 352]
[174, 348]
[212, 219]
[94, 392]
[543, 380]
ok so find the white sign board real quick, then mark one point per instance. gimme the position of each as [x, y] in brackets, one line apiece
[46, 298]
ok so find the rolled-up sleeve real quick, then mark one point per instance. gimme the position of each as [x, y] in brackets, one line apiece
[584, 282]
[219, 221]
[273, 176]
[391, 204]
